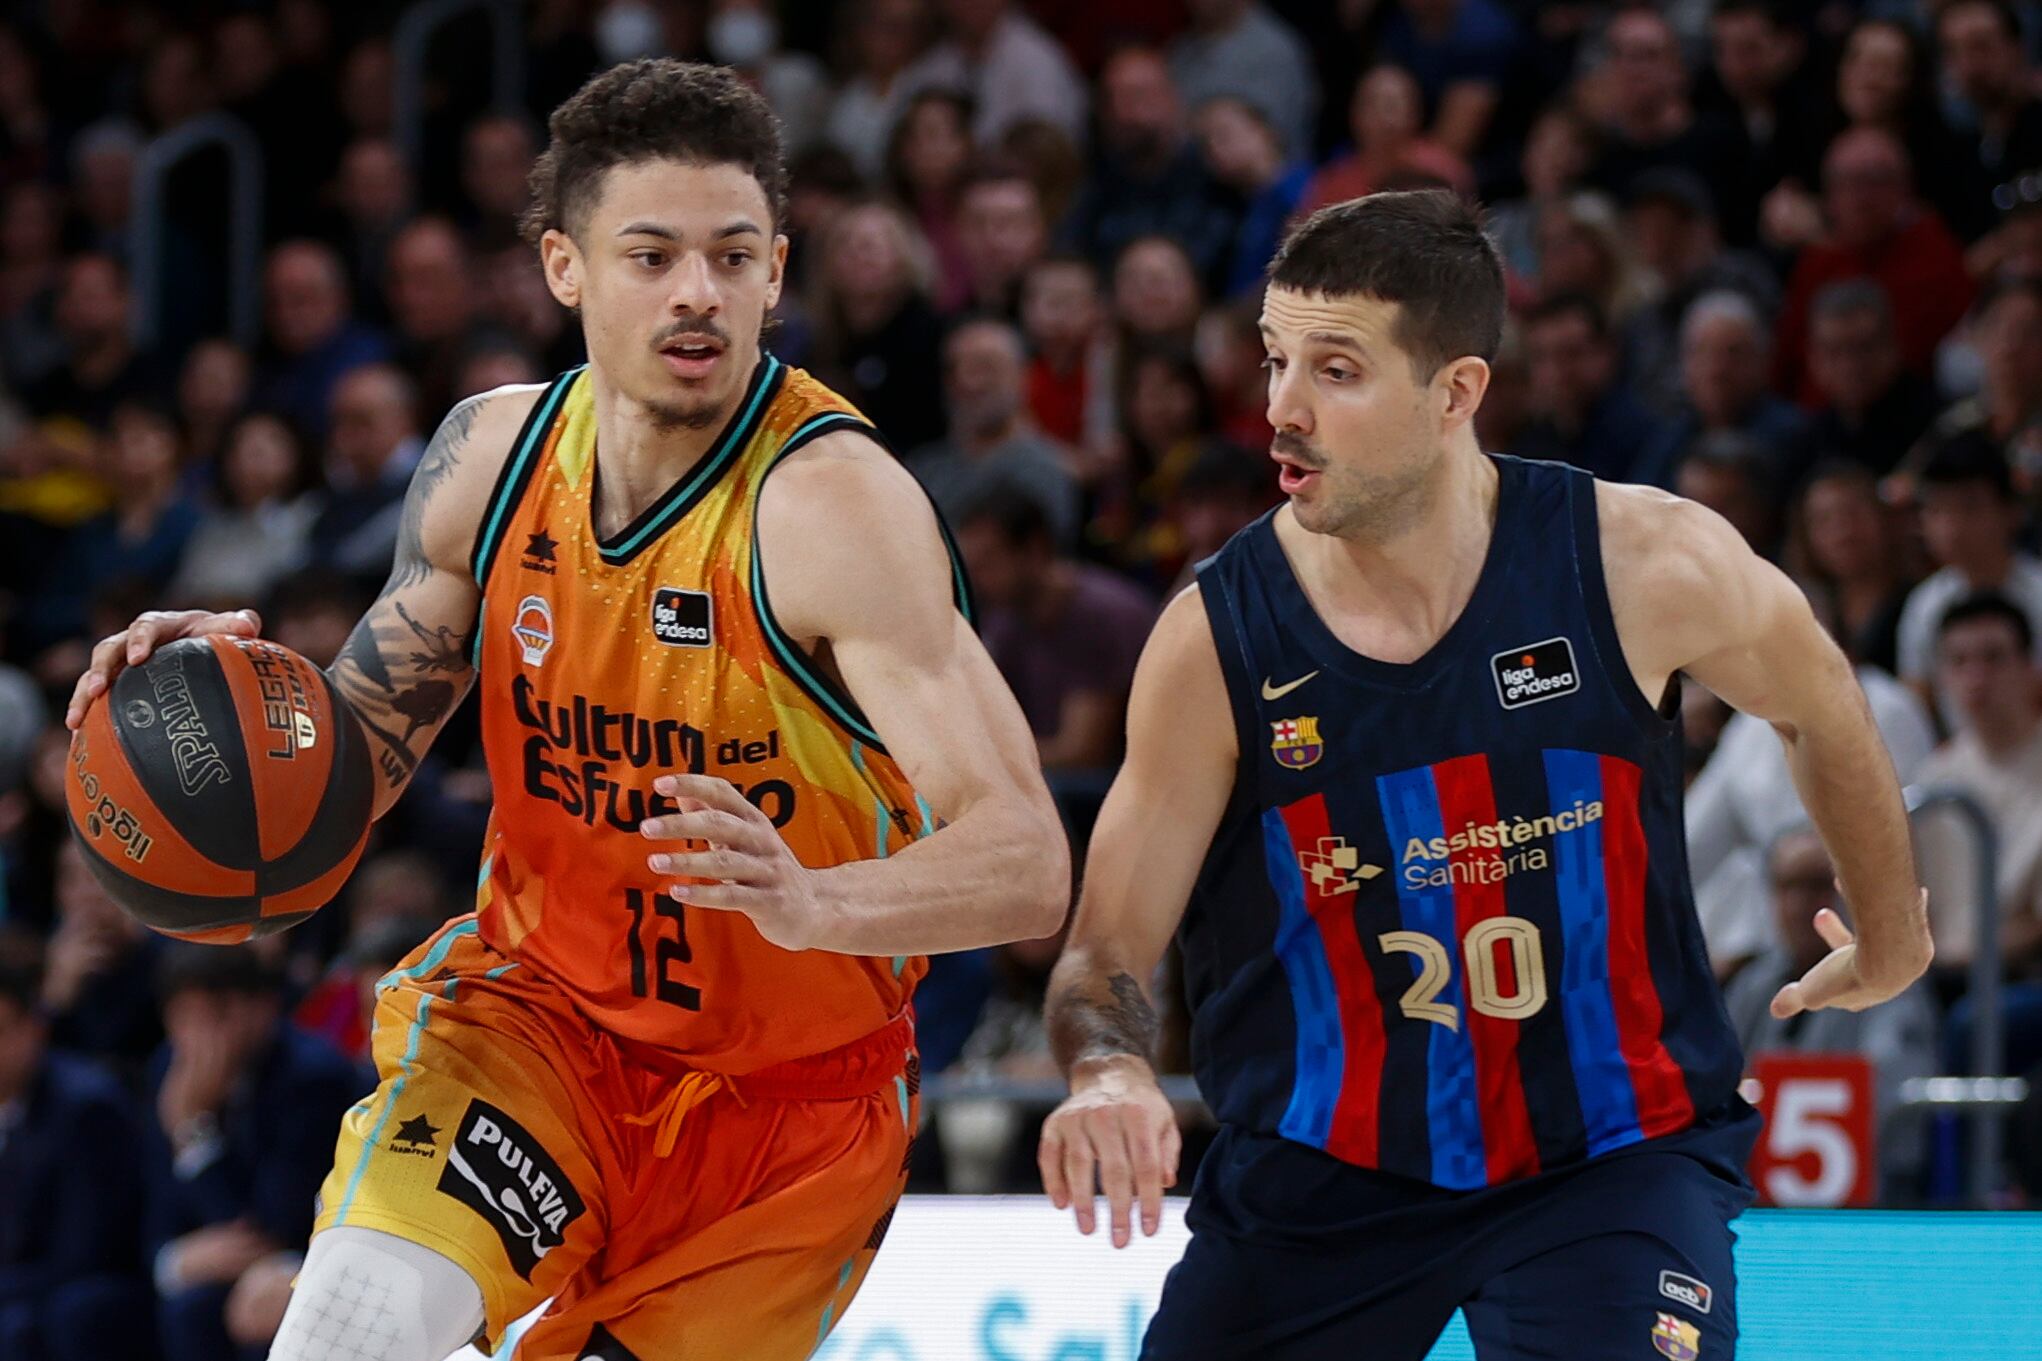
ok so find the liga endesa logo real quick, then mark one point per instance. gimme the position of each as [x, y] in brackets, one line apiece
[1533, 674]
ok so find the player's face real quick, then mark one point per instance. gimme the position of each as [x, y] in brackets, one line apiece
[674, 273]
[1359, 435]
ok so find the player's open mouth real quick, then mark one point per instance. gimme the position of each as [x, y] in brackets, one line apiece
[1293, 477]
[690, 357]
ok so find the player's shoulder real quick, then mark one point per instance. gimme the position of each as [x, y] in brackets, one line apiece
[461, 465]
[1179, 709]
[1656, 543]
[844, 478]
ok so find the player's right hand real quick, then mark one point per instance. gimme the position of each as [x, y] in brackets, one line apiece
[133, 644]
[1117, 1126]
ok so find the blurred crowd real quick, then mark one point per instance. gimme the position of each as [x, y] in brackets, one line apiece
[1782, 258]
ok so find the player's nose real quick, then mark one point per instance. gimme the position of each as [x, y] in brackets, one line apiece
[694, 287]
[1288, 409]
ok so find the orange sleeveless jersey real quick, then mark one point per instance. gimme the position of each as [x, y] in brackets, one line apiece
[604, 664]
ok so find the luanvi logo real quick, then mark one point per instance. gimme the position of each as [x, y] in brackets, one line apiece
[1534, 674]
[499, 1170]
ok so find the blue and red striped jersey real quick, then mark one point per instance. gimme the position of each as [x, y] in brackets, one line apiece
[1445, 929]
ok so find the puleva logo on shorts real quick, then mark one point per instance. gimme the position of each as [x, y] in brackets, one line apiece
[1536, 673]
[532, 626]
[1294, 742]
[499, 1171]
[1684, 1290]
[1676, 1339]
[682, 618]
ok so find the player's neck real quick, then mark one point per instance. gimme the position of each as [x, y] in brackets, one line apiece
[641, 456]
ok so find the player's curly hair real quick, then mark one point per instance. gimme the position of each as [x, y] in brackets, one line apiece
[657, 109]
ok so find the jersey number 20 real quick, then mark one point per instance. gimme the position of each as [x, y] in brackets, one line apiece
[1485, 985]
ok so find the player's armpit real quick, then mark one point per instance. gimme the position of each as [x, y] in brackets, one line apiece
[1152, 835]
[406, 665]
[857, 569]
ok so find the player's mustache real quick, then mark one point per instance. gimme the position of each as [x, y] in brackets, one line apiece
[1298, 447]
[695, 329]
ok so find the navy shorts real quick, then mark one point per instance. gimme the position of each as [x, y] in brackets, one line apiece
[1296, 1256]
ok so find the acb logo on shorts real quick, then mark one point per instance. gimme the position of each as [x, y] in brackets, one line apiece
[682, 618]
[498, 1170]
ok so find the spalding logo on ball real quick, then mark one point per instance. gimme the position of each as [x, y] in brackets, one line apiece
[221, 790]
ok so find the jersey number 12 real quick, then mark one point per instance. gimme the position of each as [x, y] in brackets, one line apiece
[665, 950]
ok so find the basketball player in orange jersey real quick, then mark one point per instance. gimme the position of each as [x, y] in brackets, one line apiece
[664, 1076]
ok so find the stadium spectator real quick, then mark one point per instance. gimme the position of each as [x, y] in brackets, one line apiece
[1877, 229]
[103, 185]
[374, 445]
[927, 162]
[992, 51]
[1733, 475]
[1581, 414]
[372, 200]
[1001, 231]
[1984, 62]
[1242, 152]
[341, 1006]
[493, 365]
[31, 234]
[434, 307]
[1240, 50]
[312, 611]
[367, 89]
[745, 36]
[97, 987]
[71, 1278]
[245, 1106]
[521, 314]
[1230, 361]
[990, 442]
[878, 339]
[1971, 524]
[1556, 154]
[1219, 496]
[1760, 63]
[1848, 558]
[1065, 634]
[497, 152]
[2006, 411]
[212, 389]
[1984, 665]
[1873, 409]
[1167, 423]
[1898, 1037]
[1506, 410]
[1462, 53]
[1649, 119]
[313, 339]
[1155, 291]
[1583, 249]
[1071, 360]
[101, 367]
[885, 37]
[1147, 178]
[259, 523]
[1724, 355]
[1387, 119]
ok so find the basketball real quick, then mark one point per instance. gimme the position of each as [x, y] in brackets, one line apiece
[221, 790]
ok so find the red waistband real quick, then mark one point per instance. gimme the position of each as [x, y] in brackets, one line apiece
[859, 1068]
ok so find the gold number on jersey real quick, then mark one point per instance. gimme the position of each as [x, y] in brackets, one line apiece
[1485, 991]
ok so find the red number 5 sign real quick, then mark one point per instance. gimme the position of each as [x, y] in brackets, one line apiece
[1817, 1148]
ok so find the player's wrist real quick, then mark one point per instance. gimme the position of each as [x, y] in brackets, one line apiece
[1115, 1068]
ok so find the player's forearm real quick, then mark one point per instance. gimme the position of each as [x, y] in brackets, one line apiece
[1098, 1011]
[401, 677]
[1001, 872]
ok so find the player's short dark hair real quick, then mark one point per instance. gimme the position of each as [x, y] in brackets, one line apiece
[236, 969]
[656, 109]
[1990, 605]
[1571, 303]
[1422, 249]
[1968, 457]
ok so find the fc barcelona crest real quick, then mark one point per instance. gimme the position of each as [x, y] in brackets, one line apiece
[1676, 1338]
[1295, 742]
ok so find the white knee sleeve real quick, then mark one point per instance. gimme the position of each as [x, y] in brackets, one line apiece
[370, 1296]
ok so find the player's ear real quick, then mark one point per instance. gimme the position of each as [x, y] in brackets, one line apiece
[1461, 384]
[562, 263]
[778, 261]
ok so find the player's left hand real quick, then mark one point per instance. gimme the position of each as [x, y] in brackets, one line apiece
[746, 867]
[1842, 979]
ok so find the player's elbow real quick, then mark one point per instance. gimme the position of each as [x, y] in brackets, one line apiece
[1042, 878]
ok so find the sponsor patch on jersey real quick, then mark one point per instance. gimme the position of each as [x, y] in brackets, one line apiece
[533, 628]
[1294, 742]
[1676, 1339]
[1534, 674]
[418, 1136]
[1684, 1290]
[498, 1170]
[539, 555]
[682, 618]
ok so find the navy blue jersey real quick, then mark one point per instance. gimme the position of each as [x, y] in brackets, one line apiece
[1445, 928]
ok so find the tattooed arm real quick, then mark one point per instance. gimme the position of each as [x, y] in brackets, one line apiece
[406, 664]
[1150, 839]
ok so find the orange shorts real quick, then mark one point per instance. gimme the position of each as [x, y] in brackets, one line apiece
[665, 1212]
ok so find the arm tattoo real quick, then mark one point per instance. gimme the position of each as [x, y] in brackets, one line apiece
[1095, 1018]
[435, 465]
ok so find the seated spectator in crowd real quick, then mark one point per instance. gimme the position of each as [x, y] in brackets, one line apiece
[212, 391]
[313, 340]
[1230, 359]
[1583, 249]
[493, 365]
[1387, 120]
[1898, 1036]
[1724, 356]
[245, 1106]
[1462, 52]
[31, 235]
[1873, 410]
[1971, 524]
[1168, 429]
[1506, 410]
[1649, 119]
[1070, 368]
[1243, 153]
[521, 314]
[1877, 229]
[101, 367]
[1012, 70]
[435, 308]
[1156, 296]
[877, 339]
[374, 446]
[259, 522]
[991, 442]
[98, 974]
[1220, 495]
[497, 152]
[1670, 218]
[1065, 634]
[1848, 557]
[1760, 62]
[927, 162]
[1581, 414]
[341, 1007]
[884, 38]
[1147, 178]
[1001, 231]
[373, 200]
[1239, 50]
[1556, 154]
[312, 612]
[1732, 474]
[1985, 62]
[2006, 327]
[72, 1282]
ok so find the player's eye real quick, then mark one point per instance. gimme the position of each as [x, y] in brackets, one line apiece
[1338, 373]
[1272, 364]
[737, 259]
[650, 259]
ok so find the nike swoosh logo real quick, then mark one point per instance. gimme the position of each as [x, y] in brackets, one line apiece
[1279, 691]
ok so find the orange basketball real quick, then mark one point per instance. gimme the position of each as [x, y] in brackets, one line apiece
[221, 790]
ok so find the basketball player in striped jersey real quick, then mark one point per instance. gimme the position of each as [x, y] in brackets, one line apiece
[1404, 776]
[750, 765]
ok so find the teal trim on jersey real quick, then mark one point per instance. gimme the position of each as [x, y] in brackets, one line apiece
[900, 1087]
[433, 957]
[412, 1037]
[829, 1310]
[666, 512]
[509, 490]
[928, 815]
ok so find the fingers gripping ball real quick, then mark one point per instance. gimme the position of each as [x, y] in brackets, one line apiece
[220, 791]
